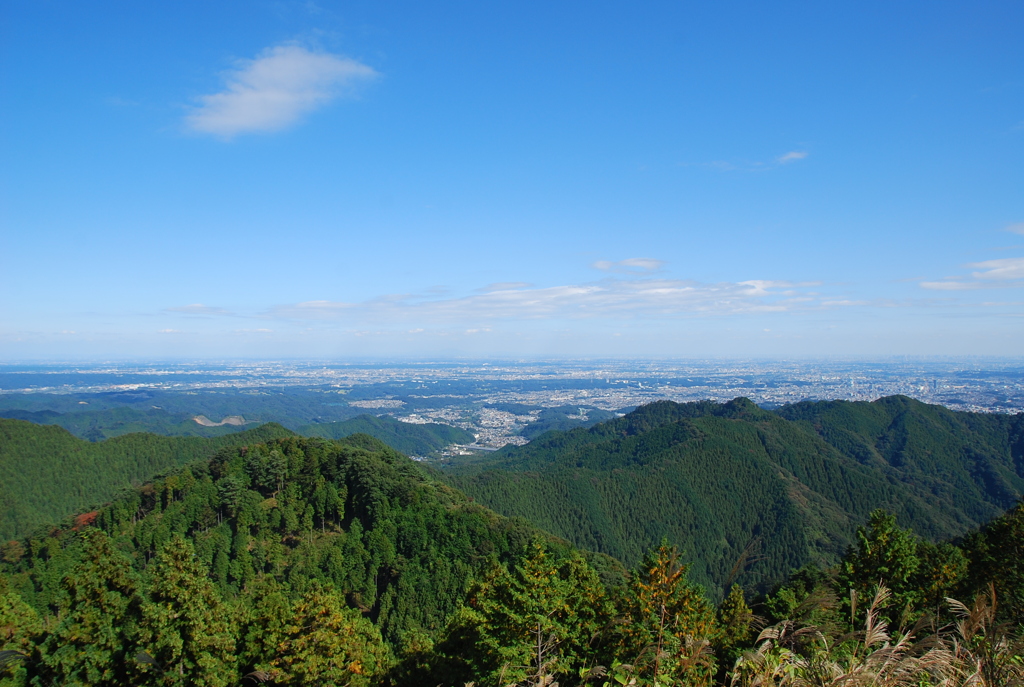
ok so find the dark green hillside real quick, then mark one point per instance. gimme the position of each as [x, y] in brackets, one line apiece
[719, 478]
[46, 473]
[972, 462]
[400, 546]
[411, 439]
[280, 523]
[305, 561]
[96, 425]
[163, 412]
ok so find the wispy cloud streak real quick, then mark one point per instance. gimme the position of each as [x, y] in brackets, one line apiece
[608, 298]
[198, 309]
[791, 156]
[630, 265]
[275, 90]
[1017, 228]
[1006, 272]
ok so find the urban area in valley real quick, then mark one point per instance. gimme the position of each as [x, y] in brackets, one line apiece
[499, 402]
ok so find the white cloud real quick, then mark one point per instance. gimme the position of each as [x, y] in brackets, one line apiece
[1006, 272]
[609, 298]
[1007, 268]
[505, 286]
[275, 90]
[950, 285]
[1017, 228]
[198, 309]
[791, 156]
[630, 265]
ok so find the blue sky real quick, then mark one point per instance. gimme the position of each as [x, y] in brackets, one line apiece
[293, 179]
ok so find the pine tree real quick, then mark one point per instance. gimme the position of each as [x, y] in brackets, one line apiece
[537, 620]
[667, 624]
[325, 643]
[19, 626]
[186, 629]
[885, 554]
[99, 614]
[735, 622]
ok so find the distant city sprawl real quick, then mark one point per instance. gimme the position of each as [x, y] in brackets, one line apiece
[499, 402]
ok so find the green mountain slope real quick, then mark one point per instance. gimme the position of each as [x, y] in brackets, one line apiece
[396, 544]
[304, 561]
[411, 439]
[96, 425]
[46, 473]
[750, 493]
[97, 415]
[971, 463]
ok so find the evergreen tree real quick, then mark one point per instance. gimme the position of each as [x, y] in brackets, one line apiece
[99, 615]
[996, 554]
[736, 625]
[539, 619]
[20, 627]
[324, 643]
[667, 624]
[885, 554]
[185, 626]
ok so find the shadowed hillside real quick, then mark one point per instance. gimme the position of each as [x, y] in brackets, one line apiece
[753, 494]
[46, 473]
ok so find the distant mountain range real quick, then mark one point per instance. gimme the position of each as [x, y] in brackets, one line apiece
[752, 494]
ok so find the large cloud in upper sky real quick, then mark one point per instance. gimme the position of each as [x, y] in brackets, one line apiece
[275, 90]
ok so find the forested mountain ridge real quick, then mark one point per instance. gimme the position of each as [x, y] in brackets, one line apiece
[106, 423]
[736, 484]
[47, 473]
[972, 460]
[97, 425]
[303, 561]
[352, 539]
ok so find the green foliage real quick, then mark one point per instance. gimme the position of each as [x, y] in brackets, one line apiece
[666, 624]
[304, 561]
[754, 494]
[541, 617]
[98, 621]
[47, 474]
[995, 556]
[735, 626]
[224, 552]
[885, 555]
[185, 626]
[325, 643]
[20, 625]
